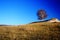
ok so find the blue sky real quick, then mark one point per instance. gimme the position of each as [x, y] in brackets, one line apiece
[13, 12]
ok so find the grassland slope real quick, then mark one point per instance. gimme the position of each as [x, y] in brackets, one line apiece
[34, 31]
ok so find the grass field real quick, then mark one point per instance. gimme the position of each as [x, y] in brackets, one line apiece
[34, 31]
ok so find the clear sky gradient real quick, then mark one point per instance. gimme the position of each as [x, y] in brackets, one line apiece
[13, 12]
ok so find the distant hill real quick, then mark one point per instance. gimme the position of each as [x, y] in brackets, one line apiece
[34, 31]
[4, 25]
[50, 20]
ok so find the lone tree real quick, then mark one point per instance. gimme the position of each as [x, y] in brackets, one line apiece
[41, 14]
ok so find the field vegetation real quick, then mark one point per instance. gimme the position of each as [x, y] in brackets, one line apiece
[33, 31]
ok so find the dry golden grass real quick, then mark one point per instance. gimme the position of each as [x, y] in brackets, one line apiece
[34, 31]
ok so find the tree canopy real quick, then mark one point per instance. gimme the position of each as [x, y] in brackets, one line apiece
[41, 14]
